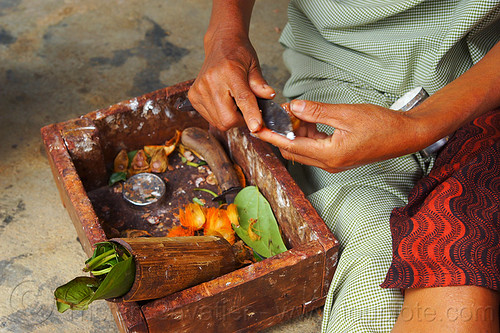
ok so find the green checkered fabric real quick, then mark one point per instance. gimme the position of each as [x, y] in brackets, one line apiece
[373, 51]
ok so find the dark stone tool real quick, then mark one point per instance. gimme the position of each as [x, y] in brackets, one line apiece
[275, 117]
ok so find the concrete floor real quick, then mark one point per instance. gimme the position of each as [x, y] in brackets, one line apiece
[63, 58]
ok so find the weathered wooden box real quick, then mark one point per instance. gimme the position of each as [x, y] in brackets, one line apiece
[254, 297]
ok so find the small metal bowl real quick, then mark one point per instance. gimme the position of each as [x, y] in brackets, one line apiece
[144, 189]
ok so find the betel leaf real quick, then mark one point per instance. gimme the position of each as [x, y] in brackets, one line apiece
[117, 177]
[100, 248]
[105, 254]
[257, 226]
[76, 294]
[131, 155]
[118, 281]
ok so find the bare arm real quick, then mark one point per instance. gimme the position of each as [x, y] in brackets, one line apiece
[230, 76]
[472, 94]
[366, 133]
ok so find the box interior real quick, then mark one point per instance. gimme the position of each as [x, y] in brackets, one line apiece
[82, 163]
[131, 125]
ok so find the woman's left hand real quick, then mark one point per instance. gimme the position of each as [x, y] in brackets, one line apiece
[364, 133]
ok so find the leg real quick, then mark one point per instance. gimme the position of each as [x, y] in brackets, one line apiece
[449, 309]
[356, 207]
[446, 252]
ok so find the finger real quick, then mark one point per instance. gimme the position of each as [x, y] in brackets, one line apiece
[310, 130]
[300, 150]
[201, 104]
[219, 109]
[259, 85]
[296, 158]
[302, 146]
[246, 101]
[315, 112]
[273, 138]
[227, 111]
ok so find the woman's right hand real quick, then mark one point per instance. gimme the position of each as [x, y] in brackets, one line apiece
[229, 79]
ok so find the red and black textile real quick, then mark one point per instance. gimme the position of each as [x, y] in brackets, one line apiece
[448, 234]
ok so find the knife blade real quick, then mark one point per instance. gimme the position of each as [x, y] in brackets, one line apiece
[274, 116]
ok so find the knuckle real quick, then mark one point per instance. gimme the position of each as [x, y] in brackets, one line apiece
[316, 111]
[243, 96]
[230, 66]
[211, 77]
[227, 121]
[288, 151]
[291, 148]
[286, 155]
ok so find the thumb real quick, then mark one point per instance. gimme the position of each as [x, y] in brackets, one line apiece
[259, 85]
[312, 112]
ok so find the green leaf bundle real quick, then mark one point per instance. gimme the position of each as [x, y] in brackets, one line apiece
[113, 270]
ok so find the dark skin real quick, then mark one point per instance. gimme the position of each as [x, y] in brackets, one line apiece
[231, 78]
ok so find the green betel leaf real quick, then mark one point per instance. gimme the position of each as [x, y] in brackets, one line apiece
[131, 155]
[101, 252]
[117, 177]
[118, 281]
[114, 273]
[258, 227]
[76, 294]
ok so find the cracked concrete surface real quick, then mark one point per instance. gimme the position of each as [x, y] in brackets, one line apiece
[64, 58]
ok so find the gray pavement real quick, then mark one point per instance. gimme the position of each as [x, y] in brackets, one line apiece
[63, 58]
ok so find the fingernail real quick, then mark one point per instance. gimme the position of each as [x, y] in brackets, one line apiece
[253, 125]
[298, 105]
[268, 87]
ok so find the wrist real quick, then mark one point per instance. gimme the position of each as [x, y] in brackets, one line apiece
[230, 19]
[224, 36]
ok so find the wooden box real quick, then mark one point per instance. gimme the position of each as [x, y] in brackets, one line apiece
[254, 297]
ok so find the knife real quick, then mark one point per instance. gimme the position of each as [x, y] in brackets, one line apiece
[274, 116]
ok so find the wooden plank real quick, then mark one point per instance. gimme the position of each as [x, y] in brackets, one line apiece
[246, 298]
[144, 120]
[128, 317]
[299, 221]
[82, 140]
[71, 190]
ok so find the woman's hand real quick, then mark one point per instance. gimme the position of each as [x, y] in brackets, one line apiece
[364, 133]
[230, 76]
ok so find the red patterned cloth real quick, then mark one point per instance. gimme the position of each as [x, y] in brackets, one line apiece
[448, 234]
